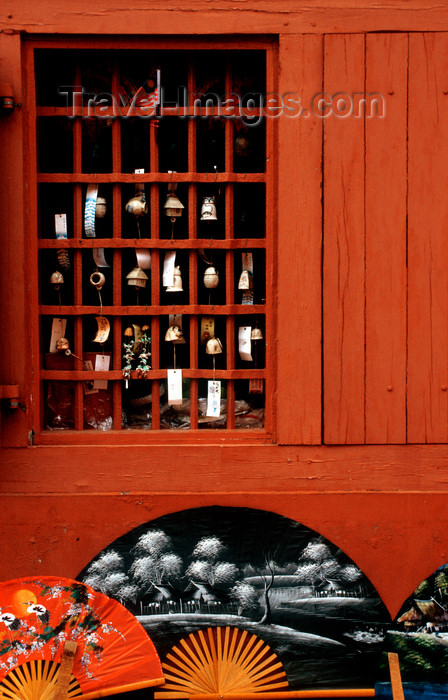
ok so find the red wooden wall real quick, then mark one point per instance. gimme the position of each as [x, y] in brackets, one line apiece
[361, 262]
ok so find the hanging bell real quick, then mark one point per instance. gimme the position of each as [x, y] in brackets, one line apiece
[97, 280]
[174, 333]
[137, 205]
[211, 278]
[137, 278]
[208, 209]
[256, 334]
[62, 344]
[177, 281]
[57, 279]
[242, 146]
[213, 347]
[129, 332]
[100, 208]
[173, 206]
[245, 282]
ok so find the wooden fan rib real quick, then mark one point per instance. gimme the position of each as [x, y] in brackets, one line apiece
[259, 662]
[196, 674]
[202, 656]
[261, 678]
[22, 684]
[178, 683]
[267, 688]
[249, 654]
[184, 673]
[212, 649]
[192, 659]
[227, 664]
[9, 684]
[204, 646]
[267, 672]
[193, 664]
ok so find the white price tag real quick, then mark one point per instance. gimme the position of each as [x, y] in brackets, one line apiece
[102, 363]
[174, 377]
[168, 268]
[213, 399]
[60, 225]
[57, 331]
[244, 344]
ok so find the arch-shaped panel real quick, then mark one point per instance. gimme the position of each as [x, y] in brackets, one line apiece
[255, 570]
[419, 633]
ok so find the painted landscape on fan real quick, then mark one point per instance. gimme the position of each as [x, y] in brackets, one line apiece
[264, 574]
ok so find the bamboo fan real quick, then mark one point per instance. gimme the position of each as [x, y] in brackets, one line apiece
[221, 660]
[35, 680]
[60, 639]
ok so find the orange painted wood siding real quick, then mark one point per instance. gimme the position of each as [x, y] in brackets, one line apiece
[385, 273]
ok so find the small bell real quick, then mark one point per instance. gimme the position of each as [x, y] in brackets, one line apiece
[129, 332]
[97, 280]
[100, 209]
[62, 344]
[137, 205]
[211, 278]
[173, 206]
[177, 281]
[174, 333]
[208, 209]
[245, 281]
[213, 347]
[242, 146]
[57, 279]
[256, 334]
[137, 278]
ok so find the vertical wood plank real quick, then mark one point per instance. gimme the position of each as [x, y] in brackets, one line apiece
[344, 248]
[386, 274]
[299, 246]
[427, 239]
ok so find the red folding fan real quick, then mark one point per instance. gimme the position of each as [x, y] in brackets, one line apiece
[57, 635]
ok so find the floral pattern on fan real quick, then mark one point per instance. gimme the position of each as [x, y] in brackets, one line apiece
[37, 617]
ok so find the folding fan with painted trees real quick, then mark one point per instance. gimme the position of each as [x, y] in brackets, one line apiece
[61, 639]
[221, 660]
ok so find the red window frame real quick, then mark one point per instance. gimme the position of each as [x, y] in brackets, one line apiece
[77, 244]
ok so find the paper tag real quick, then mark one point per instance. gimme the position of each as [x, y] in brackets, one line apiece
[214, 399]
[98, 257]
[207, 329]
[103, 331]
[176, 320]
[60, 225]
[139, 186]
[244, 345]
[89, 383]
[168, 268]
[89, 211]
[255, 386]
[102, 363]
[248, 262]
[57, 331]
[143, 256]
[137, 337]
[174, 377]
